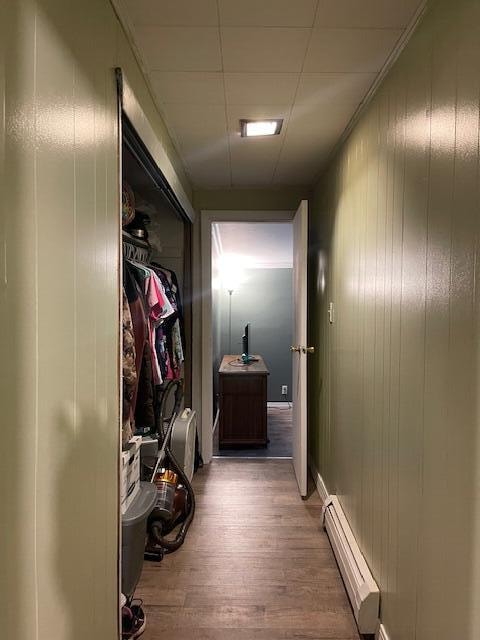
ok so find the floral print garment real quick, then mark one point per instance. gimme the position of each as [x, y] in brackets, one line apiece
[129, 371]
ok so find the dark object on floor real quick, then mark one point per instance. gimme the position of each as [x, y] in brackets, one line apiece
[133, 620]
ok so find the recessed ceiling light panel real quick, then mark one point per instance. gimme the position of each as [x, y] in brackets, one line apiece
[255, 128]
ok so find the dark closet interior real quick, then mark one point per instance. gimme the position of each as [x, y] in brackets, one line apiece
[156, 370]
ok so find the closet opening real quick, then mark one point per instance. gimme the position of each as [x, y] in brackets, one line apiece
[159, 440]
[252, 321]
[168, 228]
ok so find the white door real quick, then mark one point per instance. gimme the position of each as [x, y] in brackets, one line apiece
[299, 346]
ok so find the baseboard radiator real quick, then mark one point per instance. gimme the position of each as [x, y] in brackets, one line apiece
[361, 587]
[382, 634]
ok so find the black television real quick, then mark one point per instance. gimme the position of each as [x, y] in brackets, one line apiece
[245, 342]
[246, 357]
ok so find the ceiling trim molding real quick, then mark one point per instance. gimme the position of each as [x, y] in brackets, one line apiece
[272, 265]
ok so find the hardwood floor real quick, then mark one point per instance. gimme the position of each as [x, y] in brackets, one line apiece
[256, 564]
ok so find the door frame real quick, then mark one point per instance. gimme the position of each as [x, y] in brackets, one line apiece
[208, 218]
[136, 132]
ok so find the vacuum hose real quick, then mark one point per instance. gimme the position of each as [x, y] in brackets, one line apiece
[156, 527]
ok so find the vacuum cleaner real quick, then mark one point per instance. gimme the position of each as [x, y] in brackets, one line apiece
[175, 504]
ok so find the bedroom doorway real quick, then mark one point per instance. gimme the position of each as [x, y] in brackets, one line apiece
[252, 304]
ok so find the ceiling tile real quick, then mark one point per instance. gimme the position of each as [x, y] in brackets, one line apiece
[201, 119]
[294, 173]
[306, 149]
[381, 14]
[211, 152]
[200, 131]
[267, 13]
[255, 151]
[180, 48]
[215, 173]
[327, 89]
[173, 12]
[188, 87]
[252, 176]
[357, 50]
[264, 49]
[251, 169]
[260, 88]
[317, 123]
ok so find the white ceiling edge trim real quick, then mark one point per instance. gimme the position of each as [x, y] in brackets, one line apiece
[392, 58]
[134, 112]
[248, 215]
[271, 265]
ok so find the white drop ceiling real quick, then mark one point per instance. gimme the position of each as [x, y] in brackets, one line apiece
[212, 62]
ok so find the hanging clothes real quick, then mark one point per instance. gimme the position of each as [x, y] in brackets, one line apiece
[152, 341]
[128, 369]
[170, 348]
[137, 308]
[158, 308]
[144, 409]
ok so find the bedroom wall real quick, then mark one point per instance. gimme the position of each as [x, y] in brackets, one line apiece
[265, 301]
[394, 396]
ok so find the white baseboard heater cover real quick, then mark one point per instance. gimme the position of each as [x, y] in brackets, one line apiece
[361, 587]
[382, 634]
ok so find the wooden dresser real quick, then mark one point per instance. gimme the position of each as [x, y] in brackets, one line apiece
[243, 403]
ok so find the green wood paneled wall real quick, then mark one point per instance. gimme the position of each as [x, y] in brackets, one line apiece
[59, 315]
[394, 395]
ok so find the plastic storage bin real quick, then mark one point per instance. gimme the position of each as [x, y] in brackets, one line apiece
[134, 530]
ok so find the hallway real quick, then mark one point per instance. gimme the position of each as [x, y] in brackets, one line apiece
[256, 564]
[128, 130]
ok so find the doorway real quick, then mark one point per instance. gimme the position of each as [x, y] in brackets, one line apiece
[252, 296]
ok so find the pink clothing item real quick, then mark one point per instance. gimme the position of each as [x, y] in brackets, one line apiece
[155, 299]
[158, 308]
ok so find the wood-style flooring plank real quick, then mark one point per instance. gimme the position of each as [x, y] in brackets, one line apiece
[256, 564]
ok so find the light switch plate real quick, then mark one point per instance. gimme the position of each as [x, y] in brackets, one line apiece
[331, 313]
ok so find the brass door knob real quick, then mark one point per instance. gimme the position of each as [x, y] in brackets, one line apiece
[293, 349]
[308, 349]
